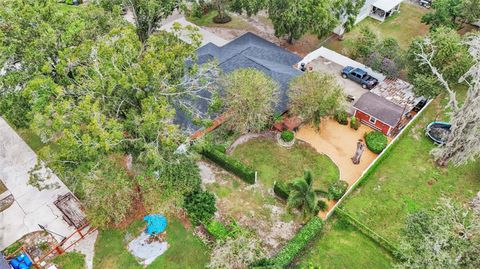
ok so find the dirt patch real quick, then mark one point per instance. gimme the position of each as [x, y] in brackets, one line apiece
[432, 181]
[138, 212]
[253, 207]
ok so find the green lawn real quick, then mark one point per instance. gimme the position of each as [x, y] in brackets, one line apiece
[342, 246]
[276, 163]
[207, 20]
[31, 139]
[403, 26]
[70, 260]
[185, 250]
[408, 180]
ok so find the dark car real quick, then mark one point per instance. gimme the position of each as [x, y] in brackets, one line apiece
[360, 76]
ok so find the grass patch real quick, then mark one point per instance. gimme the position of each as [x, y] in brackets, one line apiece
[33, 140]
[276, 163]
[207, 21]
[342, 246]
[403, 26]
[70, 260]
[408, 180]
[185, 251]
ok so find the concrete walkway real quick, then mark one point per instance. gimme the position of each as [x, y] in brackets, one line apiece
[31, 206]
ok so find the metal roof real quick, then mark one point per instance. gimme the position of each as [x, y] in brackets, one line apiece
[247, 51]
[3, 263]
[380, 108]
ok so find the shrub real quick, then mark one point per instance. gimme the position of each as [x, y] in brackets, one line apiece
[322, 205]
[200, 206]
[220, 147]
[217, 230]
[239, 169]
[298, 243]
[337, 189]
[281, 189]
[197, 10]
[222, 20]
[341, 117]
[376, 141]
[354, 123]
[287, 136]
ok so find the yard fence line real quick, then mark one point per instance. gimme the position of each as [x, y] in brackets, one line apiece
[372, 167]
[364, 229]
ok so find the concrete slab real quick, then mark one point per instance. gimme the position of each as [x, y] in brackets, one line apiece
[32, 206]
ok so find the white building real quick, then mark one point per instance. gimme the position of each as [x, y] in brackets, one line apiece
[377, 9]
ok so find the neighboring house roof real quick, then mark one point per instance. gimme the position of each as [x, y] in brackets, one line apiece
[379, 108]
[3, 263]
[386, 5]
[248, 51]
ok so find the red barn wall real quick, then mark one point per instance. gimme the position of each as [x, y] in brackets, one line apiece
[379, 125]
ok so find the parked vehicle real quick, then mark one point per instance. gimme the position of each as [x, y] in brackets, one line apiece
[360, 76]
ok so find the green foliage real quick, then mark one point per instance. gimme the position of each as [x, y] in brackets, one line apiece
[237, 168]
[446, 236]
[364, 44]
[448, 54]
[337, 189]
[70, 260]
[165, 183]
[148, 13]
[287, 136]
[109, 193]
[281, 189]
[200, 206]
[341, 116]
[298, 242]
[376, 141]
[364, 229]
[322, 205]
[251, 96]
[314, 95]
[296, 18]
[302, 195]
[446, 13]
[217, 230]
[354, 123]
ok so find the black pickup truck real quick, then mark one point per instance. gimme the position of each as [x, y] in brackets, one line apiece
[360, 76]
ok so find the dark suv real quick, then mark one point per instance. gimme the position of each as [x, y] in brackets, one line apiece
[360, 76]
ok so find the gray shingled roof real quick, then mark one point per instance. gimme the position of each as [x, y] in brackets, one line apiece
[380, 108]
[248, 51]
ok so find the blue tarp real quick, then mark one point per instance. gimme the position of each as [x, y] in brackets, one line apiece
[156, 224]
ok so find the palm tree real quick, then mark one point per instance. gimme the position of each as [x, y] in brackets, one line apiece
[302, 196]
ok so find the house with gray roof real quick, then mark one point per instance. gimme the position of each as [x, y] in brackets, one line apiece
[246, 51]
[377, 112]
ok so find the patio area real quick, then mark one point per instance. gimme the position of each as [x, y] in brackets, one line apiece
[339, 142]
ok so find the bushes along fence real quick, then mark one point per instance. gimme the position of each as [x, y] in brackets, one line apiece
[244, 172]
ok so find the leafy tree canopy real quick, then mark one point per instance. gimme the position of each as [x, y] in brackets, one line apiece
[314, 95]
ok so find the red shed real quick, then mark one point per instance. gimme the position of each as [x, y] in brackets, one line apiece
[378, 113]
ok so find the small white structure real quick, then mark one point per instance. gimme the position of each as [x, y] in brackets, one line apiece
[377, 9]
[382, 9]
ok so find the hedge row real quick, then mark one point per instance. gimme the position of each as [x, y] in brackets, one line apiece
[364, 229]
[281, 190]
[239, 169]
[298, 243]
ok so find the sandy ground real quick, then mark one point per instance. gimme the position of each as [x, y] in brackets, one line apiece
[87, 248]
[339, 142]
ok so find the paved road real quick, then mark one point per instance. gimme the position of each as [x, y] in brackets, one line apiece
[31, 206]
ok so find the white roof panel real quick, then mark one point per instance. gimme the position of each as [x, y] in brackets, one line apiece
[386, 5]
